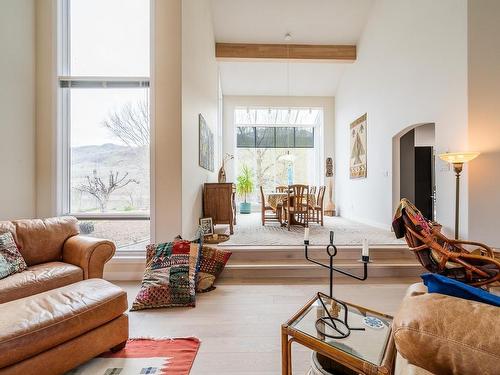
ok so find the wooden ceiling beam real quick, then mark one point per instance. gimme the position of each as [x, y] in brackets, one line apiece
[285, 51]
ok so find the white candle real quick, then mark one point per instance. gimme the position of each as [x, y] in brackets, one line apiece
[306, 234]
[365, 250]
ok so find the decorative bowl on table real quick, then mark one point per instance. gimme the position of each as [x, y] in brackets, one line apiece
[215, 238]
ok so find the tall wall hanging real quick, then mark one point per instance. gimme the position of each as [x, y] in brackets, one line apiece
[358, 159]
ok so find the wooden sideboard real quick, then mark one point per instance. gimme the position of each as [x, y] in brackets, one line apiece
[219, 203]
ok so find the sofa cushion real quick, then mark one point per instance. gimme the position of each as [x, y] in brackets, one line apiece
[11, 261]
[448, 335]
[38, 279]
[42, 240]
[31, 325]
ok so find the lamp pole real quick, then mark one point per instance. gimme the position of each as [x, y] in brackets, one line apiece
[458, 159]
[457, 167]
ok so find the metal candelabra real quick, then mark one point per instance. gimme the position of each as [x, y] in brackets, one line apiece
[340, 327]
[331, 250]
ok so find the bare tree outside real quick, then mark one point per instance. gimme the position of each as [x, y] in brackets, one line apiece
[100, 190]
[131, 124]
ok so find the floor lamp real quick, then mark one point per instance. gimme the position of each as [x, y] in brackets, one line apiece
[458, 159]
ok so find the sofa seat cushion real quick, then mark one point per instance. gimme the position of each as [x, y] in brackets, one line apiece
[38, 279]
[31, 325]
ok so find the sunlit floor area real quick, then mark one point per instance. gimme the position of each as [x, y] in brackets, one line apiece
[250, 231]
[239, 325]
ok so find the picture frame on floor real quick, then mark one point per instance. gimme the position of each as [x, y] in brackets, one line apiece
[207, 226]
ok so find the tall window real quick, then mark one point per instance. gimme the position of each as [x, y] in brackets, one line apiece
[104, 118]
[281, 146]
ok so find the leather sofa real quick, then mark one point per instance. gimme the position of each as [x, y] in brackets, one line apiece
[441, 335]
[58, 313]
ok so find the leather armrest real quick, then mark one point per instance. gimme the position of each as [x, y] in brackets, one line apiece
[88, 253]
[448, 335]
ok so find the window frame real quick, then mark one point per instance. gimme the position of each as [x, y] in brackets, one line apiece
[65, 82]
[275, 142]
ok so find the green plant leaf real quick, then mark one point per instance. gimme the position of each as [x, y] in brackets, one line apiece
[244, 182]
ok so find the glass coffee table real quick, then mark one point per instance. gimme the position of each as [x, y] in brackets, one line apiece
[368, 348]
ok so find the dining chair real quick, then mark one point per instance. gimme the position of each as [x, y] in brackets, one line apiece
[312, 190]
[318, 208]
[297, 205]
[281, 189]
[265, 207]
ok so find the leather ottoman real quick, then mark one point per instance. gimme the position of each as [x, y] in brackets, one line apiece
[55, 331]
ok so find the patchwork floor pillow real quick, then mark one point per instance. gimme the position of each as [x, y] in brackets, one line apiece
[169, 278]
[11, 260]
[212, 263]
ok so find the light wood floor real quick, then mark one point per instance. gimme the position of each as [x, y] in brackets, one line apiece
[239, 324]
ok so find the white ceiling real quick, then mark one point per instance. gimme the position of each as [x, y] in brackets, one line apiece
[309, 21]
[267, 21]
[270, 78]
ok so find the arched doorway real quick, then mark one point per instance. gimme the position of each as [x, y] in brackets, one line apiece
[413, 167]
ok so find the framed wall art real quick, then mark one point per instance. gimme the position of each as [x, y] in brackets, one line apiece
[206, 145]
[358, 159]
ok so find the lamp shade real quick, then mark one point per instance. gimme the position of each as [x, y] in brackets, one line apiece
[287, 157]
[458, 157]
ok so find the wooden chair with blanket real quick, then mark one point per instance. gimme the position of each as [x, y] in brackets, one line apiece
[265, 208]
[440, 254]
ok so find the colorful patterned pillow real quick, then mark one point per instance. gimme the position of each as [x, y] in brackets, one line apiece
[212, 263]
[11, 260]
[169, 278]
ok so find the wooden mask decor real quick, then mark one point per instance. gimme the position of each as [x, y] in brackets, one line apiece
[329, 167]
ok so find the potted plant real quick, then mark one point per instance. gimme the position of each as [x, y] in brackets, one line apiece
[244, 186]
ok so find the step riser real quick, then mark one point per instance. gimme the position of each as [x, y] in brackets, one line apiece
[273, 256]
[394, 272]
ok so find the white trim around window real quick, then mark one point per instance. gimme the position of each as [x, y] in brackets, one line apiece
[66, 82]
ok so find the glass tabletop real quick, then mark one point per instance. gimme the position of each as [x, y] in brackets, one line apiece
[368, 345]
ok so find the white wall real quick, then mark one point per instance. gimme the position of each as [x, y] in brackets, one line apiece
[199, 95]
[17, 108]
[484, 120]
[425, 135]
[46, 108]
[166, 148]
[411, 69]
[232, 102]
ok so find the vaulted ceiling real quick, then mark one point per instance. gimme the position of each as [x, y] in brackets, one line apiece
[267, 21]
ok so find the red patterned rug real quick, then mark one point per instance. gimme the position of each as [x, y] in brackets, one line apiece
[145, 356]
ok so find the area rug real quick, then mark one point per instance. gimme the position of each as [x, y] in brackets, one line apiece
[145, 356]
[249, 231]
